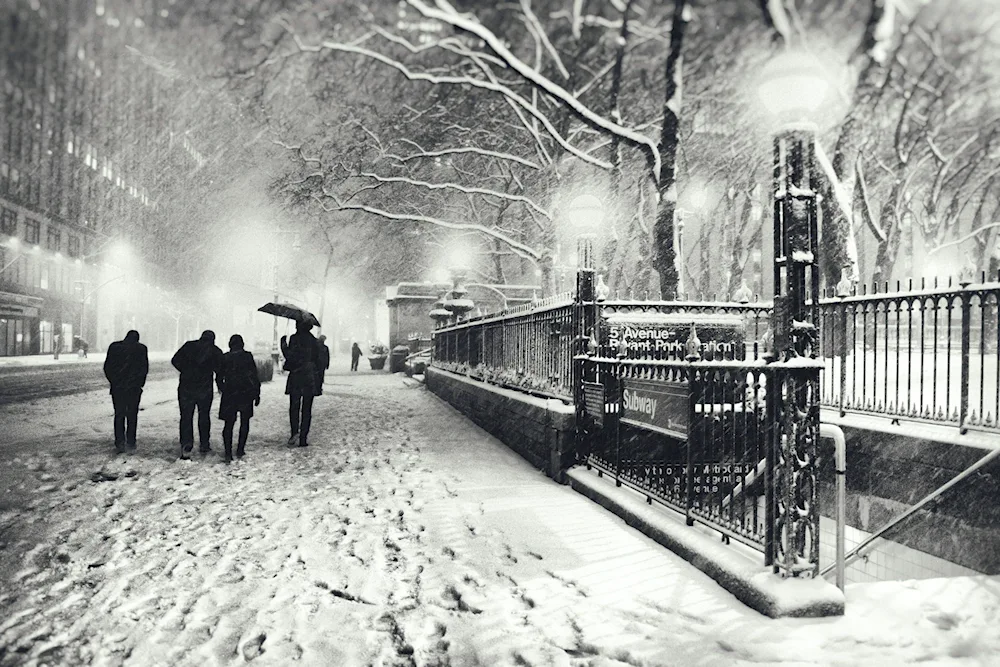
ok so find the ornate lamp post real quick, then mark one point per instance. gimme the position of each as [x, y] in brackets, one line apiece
[793, 89]
[585, 214]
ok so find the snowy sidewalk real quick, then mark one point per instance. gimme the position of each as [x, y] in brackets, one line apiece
[403, 536]
[67, 358]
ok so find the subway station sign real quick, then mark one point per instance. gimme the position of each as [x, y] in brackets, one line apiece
[665, 335]
[656, 406]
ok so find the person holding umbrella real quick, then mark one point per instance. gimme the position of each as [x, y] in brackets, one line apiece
[302, 359]
[239, 385]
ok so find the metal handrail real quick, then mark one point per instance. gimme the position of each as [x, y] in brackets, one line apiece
[855, 553]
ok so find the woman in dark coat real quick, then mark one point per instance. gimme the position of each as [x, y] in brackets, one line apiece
[301, 352]
[355, 355]
[239, 385]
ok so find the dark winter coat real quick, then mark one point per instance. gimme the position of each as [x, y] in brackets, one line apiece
[301, 361]
[198, 361]
[126, 365]
[355, 352]
[238, 383]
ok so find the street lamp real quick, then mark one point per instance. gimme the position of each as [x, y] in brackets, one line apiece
[585, 213]
[792, 89]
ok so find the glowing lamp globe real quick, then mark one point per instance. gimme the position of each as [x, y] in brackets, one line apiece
[792, 87]
[586, 213]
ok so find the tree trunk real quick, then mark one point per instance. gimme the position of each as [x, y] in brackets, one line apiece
[617, 204]
[836, 225]
[888, 250]
[322, 292]
[736, 259]
[664, 252]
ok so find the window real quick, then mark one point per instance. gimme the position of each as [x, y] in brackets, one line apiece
[8, 222]
[32, 231]
[43, 281]
[73, 246]
[15, 181]
[53, 239]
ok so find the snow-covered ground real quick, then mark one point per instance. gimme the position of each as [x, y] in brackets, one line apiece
[403, 536]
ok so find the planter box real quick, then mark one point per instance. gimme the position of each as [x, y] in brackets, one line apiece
[377, 363]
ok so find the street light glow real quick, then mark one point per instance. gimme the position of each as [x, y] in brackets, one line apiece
[792, 87]
[586, 213]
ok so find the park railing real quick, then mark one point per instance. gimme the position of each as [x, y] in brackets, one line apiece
[925, 352]
[528, 348]
[917, 353]
[704, 438]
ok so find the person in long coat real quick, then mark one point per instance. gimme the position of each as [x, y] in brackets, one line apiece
[355, 355]
[239, 386]
[323, 365]
[301, 351]
[126, 366]
[198, 361]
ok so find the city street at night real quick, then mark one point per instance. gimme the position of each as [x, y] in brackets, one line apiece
[550, 333]
[402, 535]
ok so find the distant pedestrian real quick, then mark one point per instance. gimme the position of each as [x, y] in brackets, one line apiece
[301, 352]
[355, 355]
[324, 364]
[239, 385]
[198, 361]
[126, 366]
[55, 346]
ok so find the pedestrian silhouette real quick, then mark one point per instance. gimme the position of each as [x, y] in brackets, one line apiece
[301, 352]
[355, 355]
[239, 386]
[126, 366]
[198, 361]
[324, 363]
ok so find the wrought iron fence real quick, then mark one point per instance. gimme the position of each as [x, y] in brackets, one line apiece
[709, 446]
[918, 354]
[528, 348]
[925, 353]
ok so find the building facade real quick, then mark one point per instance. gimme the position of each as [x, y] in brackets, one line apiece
[88, 146]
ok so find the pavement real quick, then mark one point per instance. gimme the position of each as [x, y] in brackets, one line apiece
[401, 507]
[68, 358]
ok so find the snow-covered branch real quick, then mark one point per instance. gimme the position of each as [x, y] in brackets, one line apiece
[459, 188]
[522, 249]
[552, 89]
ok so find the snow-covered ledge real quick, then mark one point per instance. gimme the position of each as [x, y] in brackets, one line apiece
[539, 429]
[736, 568]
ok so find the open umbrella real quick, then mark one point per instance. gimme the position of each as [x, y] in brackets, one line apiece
[289, 311]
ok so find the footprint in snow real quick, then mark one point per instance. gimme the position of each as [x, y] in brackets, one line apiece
[254, 647]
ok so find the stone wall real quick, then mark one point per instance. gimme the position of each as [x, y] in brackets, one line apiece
[888, 473]
[541, 430]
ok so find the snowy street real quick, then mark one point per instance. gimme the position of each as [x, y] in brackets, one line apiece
[403, 536]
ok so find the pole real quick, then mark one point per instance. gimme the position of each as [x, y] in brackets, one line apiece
[796, 297]
[274, 331]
